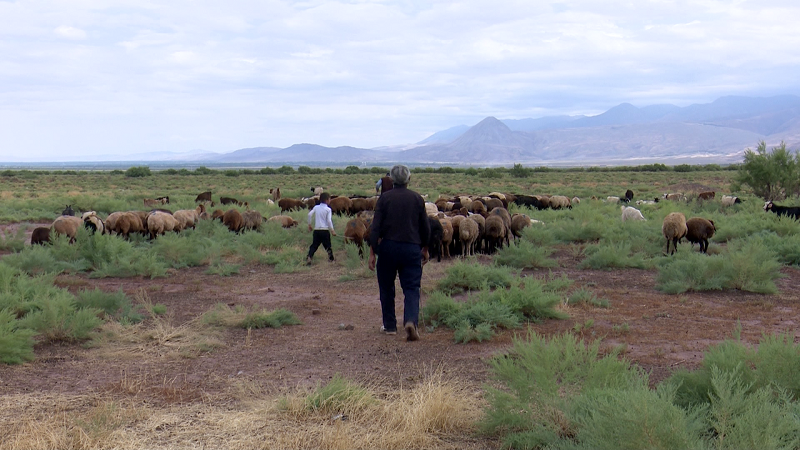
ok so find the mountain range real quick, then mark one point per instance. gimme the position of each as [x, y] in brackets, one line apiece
[717, 132]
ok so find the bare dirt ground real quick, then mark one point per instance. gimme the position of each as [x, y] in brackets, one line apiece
[340, 331]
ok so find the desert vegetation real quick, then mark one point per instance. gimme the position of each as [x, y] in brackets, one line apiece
[568, 389]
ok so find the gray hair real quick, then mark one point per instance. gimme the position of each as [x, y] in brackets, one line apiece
[400, 174]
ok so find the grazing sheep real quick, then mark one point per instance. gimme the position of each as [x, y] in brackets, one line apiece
[341, 205]
[531, 201]
[481, 221]
[560, 202]
[68, 211]
[217, 214]
[150, 202]
[230, 201]
[495, 232]
[290, 204]
[677, 196]
[233, 220]
[613, 199]
[317, 190]
[631, 213]
[788, 211]
[674, 229]
[431, 210]
[40, 236]
[576, 201]
[357, 231]
[163, 200]
[252, 220]
[646, 202]
[518, 223]
[276, 194]
[203, 197]
[187, 218]
[628, 196]
[67, 225]
[159, 222]
[492, 203]
[124, 223]
[708, 195]
[285, 221]
[468, 232]
[700, 230]
[435, 239]
[362, 204]
[730, 200]
[447, 235]
[93, 222]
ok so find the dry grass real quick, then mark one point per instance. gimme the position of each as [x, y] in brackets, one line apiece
[435, 413]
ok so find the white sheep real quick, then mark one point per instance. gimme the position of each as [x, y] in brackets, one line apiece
[730, 200]
[560, 202]
[468, 231]
[674, 229]
[631, 213]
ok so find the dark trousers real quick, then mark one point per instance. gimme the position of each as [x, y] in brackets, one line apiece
[403, 259]
[321, 237]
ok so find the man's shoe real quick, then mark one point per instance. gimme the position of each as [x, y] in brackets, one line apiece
[389, 332]
[411, 332]
[308, 260]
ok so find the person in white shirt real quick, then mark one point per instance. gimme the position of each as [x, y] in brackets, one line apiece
[322, 227]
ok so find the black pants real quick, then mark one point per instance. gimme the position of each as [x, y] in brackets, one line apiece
[321, 237]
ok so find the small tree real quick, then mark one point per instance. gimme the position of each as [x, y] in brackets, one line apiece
[772, 175]
[139, 171]
[519, 171]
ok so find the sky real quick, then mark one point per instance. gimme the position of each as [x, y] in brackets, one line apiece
[87, 78]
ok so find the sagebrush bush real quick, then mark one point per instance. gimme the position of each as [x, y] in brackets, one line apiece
[463, 276]
[339, 396]
[16, 343]
[58, 318]
[522, 254]
[613, 256]
[116, 305]
[242, 317]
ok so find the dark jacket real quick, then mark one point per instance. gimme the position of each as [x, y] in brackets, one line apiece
[400, 216]
[386, 184]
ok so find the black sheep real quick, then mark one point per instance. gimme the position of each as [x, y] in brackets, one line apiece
[435, 240]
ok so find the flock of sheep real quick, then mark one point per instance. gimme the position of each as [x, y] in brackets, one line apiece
[460, 225]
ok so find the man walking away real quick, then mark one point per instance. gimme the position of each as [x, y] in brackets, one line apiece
[399, 238]
[384, 184]
[323, 227]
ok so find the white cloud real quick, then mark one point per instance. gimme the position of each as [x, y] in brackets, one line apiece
[134, 75]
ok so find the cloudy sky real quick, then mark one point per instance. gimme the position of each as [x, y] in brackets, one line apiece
[90, 77]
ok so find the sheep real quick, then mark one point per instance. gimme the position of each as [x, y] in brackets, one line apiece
[163, 200]
[357, 231]
[628, 196]
[496, 232]
[67, 225]
[700, 230]
[468, 231]
[124, 222]
[560, 202]
[612, 199]
[518, 223]
[481, 221]
[341, 205]
[492, 203]
[478, 207]
[677, 196]
[430, 209]
[276, 194]
[233, 220]
[40, 236]
[646, 202]
[631, 213]
[788, 211]
[708, 195]
[317, 190]
[230, 201]
[159, 222]
[150, 202]
[362, 204]
[435, 239]
[730, 200]
[252, 220]
[187, 218]
[576, 201]
[285, 221]
[290, 204]
[447, 235]
[217, 214]
[203, 197]
[674, 229]
[93, 222]
[68, 211]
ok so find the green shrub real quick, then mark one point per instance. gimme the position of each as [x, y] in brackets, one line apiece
[138, 172]
[466, 332]
[338, 396]
[14, 242]
[463, 276]
[58, 319]
[115, 305]
[613, 256]
[16, 344]
[586, 296]
[241, 317]
[524, 255]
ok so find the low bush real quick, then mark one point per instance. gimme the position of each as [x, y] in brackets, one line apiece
[116, 305]
[463, 276]
[16, 343]
[242, 317]
[525, 255]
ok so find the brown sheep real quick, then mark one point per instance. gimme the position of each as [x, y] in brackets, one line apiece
[357, 231]
[468, 232]
[290, 204]
[496, 232]
[481, 221]
[67, 225]
[518, 223]
[159, 222]
[233, 220]
[285, 221]
[203, 197]
[447, 235]
[230, 201]
[124, 223]
[706, 195]
[674, 229]
[40, 236]
[151, 202]
[363, 204]
[478, 207]
[700, 230]
[341, 205]
[492, 203]
[217, 214]
[276, 194]
[187, 218]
